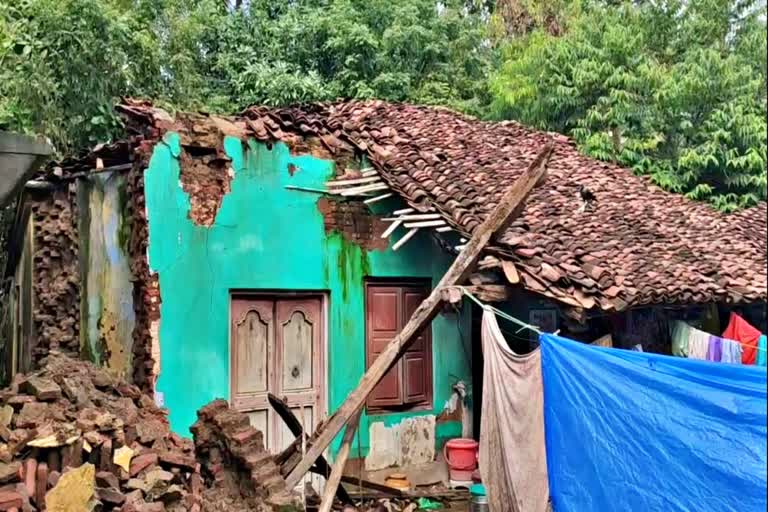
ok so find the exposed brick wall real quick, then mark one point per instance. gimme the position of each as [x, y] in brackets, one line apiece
[56, 275]
[207, 180]
[354, 221]
[146, 288]
[232, 454]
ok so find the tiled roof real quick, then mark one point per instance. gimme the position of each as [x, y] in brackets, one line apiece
[637, 245]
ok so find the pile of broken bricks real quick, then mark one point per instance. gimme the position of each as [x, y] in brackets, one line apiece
[74, 438]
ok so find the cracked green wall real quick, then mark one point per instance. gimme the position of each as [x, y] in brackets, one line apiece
[267, 237]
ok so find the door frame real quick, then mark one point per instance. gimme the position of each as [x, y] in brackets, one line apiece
[277, 294]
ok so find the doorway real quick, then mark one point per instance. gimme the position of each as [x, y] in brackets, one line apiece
[277, 345]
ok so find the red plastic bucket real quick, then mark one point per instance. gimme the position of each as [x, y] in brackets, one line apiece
[461, 457]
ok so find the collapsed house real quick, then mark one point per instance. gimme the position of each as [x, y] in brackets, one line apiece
[280, 250]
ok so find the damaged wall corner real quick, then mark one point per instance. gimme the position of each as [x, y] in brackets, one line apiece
[146, 290]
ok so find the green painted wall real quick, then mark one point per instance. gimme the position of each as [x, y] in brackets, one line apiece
[267, 237]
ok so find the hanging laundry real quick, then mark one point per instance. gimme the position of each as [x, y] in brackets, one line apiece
[513, 458]
[740, 330]
[731, 352]
[680, 334]
[715, 350]
[698, 344]
[762, 355]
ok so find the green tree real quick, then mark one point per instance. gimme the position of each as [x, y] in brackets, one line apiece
[64, 63]
[674, 89]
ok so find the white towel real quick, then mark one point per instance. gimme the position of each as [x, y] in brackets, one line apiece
[698, 344]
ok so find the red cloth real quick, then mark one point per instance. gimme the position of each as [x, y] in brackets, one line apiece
[742, 331]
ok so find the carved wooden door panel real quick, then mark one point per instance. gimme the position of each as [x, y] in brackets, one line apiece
[277, 347]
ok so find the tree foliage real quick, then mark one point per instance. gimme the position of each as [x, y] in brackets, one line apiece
[63, 63]
[674, 89]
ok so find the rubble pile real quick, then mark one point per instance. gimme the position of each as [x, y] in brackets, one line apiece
[71, 431]
[235, 461]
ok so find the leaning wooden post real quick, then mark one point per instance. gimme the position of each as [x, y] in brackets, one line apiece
[508, 208]
[338, 465]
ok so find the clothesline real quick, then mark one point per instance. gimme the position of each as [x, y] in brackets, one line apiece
[497, 312]
[756, 347]
[524, 325]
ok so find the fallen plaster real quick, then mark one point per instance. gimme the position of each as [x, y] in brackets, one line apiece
[408, 443]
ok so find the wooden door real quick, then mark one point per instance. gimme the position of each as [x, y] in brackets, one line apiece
[277, 347]
[408, 384]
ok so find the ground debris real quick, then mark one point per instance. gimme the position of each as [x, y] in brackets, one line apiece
[72, 437]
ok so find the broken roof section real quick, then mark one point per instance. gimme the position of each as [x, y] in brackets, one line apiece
[637, 245]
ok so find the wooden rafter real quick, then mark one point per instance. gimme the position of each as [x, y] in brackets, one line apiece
[497, 221]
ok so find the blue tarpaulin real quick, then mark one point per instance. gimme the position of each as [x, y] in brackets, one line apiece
[634, 431]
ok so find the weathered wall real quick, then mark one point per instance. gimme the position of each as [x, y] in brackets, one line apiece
[107, 312]
[146, 292]
[57, 275]
[266, 237]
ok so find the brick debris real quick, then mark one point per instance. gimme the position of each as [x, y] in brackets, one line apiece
[71, 414]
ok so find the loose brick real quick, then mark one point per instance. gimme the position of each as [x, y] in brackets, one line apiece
[10, 500]
[41, 482]
[44, 389]
[10, 472]
[107, 480]
[30, 476]
[140, 463]
[177, 459]
[109, 495]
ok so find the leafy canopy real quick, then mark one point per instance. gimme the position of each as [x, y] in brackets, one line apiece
[63, 63]
[674, 89]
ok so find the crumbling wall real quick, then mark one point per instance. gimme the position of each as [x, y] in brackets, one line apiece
[56, 280]
[207, 179]
[354, 221]
[71, 420]
[233, 457]
[146, 288]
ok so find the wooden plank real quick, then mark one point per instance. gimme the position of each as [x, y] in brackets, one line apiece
[490, 292]
[367, 484]
[378, 198]
[425, 224]
[497, 221]
[421, 216]
[405, 238]
[294, 425]
[356, 191]
[338, 465]
[354, 181]
[391, 229]
[307, 189]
